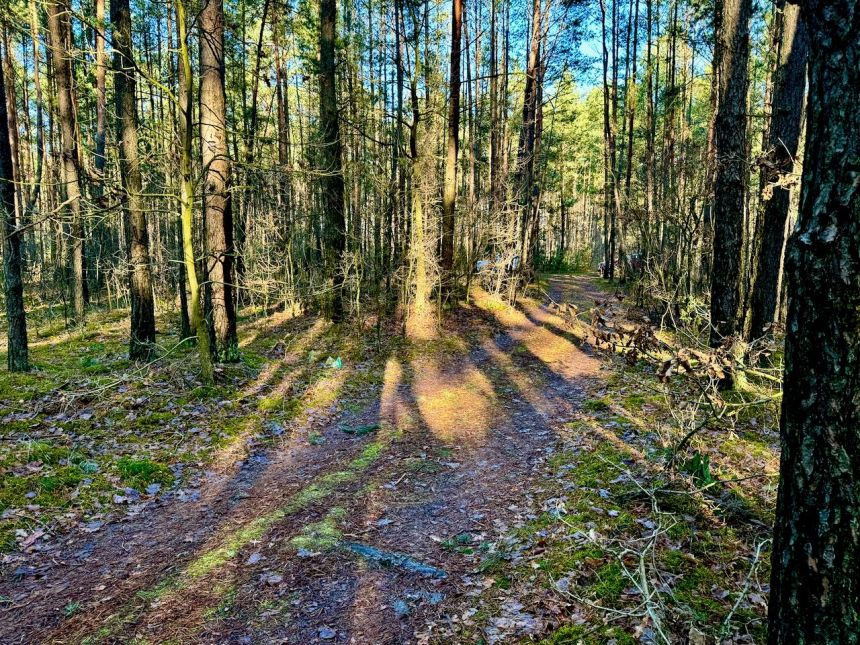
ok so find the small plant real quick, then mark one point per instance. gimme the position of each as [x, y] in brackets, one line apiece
[71, 609]
[699, 467]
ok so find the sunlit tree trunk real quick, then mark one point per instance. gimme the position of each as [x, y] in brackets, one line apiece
[217, 200]
[36, 187]
[449, 191]
[101, 92]
[186, 194]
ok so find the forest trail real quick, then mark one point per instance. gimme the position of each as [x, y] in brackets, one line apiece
[354, 532]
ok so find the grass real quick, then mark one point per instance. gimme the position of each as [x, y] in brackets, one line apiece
[101, 424]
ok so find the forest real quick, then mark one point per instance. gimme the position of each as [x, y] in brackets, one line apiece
[430, 321]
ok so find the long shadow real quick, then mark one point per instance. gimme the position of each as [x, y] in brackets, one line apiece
[190, 533]
[212, 566]
[460, 498]
[354, 596]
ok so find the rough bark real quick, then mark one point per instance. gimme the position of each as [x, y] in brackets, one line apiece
[783, 134]
[58, 34]
[217, 199]
[142, 338]
[730, 132]
[815, 589]
[331, 159]
[17, 354]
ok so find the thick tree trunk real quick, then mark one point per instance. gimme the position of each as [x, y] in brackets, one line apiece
[17, 353]
[789, 81]
[730, 133]
[217, 200]
[58, 33]
[449, 190]
[815, 593]
[142, 338]
[330, 159]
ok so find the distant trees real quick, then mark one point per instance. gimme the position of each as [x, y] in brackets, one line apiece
[359, 150]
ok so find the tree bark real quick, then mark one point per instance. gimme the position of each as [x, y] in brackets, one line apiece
[142, 339]
[730, 132]
[217, 198]
[780, 147]
[449, 191]
[58, 33]
[331, 159]
[17, 357]
[815, 595]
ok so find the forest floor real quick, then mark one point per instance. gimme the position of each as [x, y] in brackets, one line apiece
[504, 483]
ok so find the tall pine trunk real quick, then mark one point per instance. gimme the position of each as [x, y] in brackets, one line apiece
[59, 37]
[815, 593]
[142, 338]
[101, 92]
[730, 133]
[217, 200]
[331, 160]
[783, 134]
[526, 150]
[17, 353]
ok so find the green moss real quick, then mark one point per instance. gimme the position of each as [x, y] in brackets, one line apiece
[593, 469]
[225, 605]
[610, 582]
[62, 478]
[589, 635]
[140, 473]
[674, 561]
[47, 453]
[596, 405]
[323, 535]
[694, 590]
[559, 560]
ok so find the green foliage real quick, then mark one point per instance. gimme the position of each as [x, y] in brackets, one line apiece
[699, 466]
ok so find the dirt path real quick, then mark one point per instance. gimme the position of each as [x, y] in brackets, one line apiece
[350, 538]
